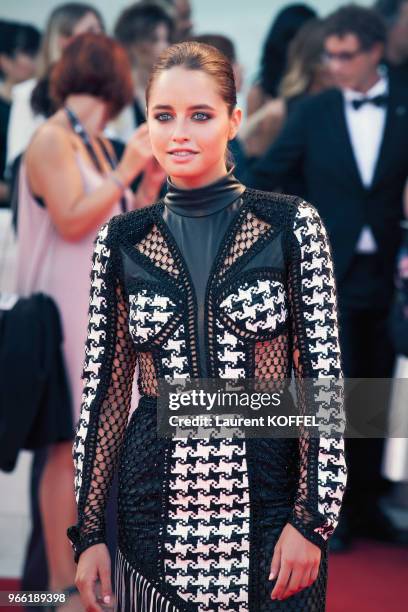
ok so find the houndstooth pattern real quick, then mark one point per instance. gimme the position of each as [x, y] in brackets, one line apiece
[175, 360]
[320, 318]
[259, 306]
[94, 350]
[207, 537]
[230, 354]
[149, 313]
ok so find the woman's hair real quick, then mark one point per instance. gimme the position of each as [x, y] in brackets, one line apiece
[220, 42]
[62, 22]
[304, 59]
[16, 37]
[274, 55]
[96, 65]
[138, 23]
[198, 56]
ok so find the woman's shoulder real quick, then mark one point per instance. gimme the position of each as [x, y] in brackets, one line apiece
[50, 140]
[280, 209]
[130, 226]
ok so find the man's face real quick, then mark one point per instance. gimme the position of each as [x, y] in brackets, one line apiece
[351, 66]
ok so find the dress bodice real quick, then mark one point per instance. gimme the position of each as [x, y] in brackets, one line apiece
[197, 219]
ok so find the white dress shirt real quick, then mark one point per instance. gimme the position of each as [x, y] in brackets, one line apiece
[366, 130]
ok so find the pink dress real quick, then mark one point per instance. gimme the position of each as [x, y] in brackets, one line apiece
[47, 263]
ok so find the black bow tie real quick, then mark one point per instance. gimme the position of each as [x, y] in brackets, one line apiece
[380, 100]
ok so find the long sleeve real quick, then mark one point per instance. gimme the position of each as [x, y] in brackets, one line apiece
[108, 375]
[318, 375]
[284, 157]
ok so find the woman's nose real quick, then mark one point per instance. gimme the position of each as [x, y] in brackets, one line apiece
[180, 133]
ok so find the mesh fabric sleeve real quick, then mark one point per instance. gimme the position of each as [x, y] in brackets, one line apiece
[318, 376]
[108, 376]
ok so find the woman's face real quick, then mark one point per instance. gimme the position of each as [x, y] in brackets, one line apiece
[146, 52]
[88, 24]
[190, 126]
[18, 68]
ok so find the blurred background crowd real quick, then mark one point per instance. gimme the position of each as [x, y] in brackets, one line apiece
[325, 118]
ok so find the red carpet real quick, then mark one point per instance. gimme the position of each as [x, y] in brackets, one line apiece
[370, 578]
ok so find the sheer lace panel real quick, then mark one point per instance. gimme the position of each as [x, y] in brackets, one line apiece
[154, 246]
[113, 416]
[148, 376]
[271, 358]
[249, 232]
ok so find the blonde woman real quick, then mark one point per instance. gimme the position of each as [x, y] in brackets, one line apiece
[306, 74]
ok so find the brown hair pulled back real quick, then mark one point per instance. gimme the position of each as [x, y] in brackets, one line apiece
[198, 56]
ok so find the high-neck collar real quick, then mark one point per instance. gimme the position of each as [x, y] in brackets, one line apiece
[203, 201]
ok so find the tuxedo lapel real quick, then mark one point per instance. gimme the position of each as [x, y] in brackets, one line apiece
[343, 147]
[395, 127]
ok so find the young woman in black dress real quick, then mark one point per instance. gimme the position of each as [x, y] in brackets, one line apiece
[218, 281]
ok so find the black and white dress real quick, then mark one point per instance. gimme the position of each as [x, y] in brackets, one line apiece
[218, 282]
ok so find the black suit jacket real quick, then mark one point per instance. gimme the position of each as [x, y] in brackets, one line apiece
[316, 143]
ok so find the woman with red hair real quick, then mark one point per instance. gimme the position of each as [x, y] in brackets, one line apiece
[69, 185]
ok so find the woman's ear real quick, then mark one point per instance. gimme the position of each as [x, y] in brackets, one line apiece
[235, 122]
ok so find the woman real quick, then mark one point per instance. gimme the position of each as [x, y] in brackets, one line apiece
[274, 55]
[306, 74]
[65, 22]
[206, 284]
[70, 185]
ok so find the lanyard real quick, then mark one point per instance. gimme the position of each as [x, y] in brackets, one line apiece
[84, 136]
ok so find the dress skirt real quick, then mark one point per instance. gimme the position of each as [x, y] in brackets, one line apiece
[198, 520]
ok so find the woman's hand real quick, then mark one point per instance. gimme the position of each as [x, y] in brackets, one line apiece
[94, 564]
[295, 563]
[136, 155]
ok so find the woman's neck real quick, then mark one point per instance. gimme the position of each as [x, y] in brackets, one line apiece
[201, 180]
[90, 111]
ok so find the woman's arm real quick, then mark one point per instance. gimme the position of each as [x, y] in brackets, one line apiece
[54, 175]
[108, 377]
[318, 374]
[316, 357]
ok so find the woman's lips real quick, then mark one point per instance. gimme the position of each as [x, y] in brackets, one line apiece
[182, 155]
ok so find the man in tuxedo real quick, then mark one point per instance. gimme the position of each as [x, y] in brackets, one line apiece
[349, 145]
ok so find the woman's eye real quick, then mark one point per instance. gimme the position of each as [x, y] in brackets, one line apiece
[163, 117]
[201, 116]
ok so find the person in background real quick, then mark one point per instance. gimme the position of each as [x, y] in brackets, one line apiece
[65, 21]
[69, 185]
[227, 47]
[182, 15]
[19, 45]
[274, 54]
[346, 144]
[395, 14]
[144, 29]
[306, 74]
